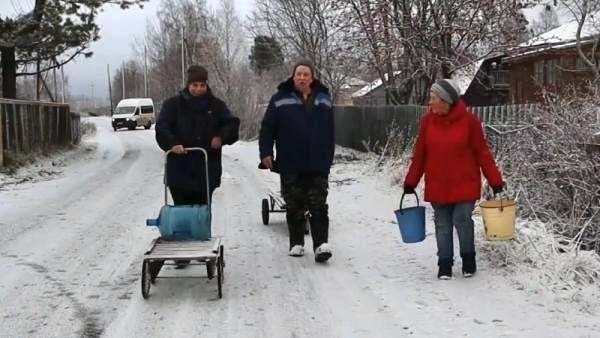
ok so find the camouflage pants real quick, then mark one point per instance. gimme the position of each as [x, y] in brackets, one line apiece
[303, 192]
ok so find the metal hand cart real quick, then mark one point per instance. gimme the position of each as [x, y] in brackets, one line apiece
[274, 203]
[167, 252]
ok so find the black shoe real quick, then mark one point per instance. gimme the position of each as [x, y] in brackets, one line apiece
[322, 253]
[469, 266]
[445, 269]
[182, 263]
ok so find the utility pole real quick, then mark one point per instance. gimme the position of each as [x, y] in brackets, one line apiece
[182, 59]
[145, 70]
[109, 89]
[123, 78]
[92, 97]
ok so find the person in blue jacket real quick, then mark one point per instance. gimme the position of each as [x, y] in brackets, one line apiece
[194, 118]
[299, 123]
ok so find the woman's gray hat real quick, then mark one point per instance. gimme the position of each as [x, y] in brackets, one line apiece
[447, 90]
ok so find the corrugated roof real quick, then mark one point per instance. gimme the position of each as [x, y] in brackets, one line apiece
[372, 86]
[566, 33]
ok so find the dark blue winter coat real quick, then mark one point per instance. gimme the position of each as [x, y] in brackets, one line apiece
[193, 121]
[302, 132]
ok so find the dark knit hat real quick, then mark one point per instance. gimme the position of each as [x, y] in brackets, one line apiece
[447, 90]
[197, 74]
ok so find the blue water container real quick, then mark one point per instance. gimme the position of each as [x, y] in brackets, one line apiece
[411, 222]
[183, 222]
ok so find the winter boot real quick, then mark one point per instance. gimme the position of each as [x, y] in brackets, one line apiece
[445, 268]
[469, 267]
[296, 251]
[322, 253]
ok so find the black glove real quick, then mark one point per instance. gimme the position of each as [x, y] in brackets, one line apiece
[275, 168]
[498, 188]
[408, 189]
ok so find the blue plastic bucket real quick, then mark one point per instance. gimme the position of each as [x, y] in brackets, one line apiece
[183, 222]
[411, 222]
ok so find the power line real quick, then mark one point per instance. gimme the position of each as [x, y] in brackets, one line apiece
[20, 7]
[15, 10]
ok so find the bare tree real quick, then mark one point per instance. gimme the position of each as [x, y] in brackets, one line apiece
[586, 14]
[181, 27]
[547, 20]
[228, 32]
[308, 29]
[422, 40]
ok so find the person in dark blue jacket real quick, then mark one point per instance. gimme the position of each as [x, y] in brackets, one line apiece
[299, 123]
[194, 118]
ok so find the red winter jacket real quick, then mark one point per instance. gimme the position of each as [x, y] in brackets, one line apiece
[451, 151]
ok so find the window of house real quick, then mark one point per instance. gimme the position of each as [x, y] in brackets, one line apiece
[546, 72]
[517, 97]
[551, 75]
[538, 71]
[581, 64]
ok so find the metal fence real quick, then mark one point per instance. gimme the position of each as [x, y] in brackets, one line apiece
[357, 126]
[514, 114]
[29, 126]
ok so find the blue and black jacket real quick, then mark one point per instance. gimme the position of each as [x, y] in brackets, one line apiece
[302, 132]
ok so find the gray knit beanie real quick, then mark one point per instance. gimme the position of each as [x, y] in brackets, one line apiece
[447, 90]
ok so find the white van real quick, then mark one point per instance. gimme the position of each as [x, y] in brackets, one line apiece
[132, 113]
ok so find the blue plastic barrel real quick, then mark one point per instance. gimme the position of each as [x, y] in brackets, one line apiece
[411, 222]
[183, 222]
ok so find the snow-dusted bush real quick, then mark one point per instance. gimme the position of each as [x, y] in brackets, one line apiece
[553, 167]
[87, 128]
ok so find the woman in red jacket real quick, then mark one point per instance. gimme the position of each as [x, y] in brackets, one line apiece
[452, 152]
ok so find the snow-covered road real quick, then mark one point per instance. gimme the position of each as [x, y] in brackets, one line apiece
[71, 248]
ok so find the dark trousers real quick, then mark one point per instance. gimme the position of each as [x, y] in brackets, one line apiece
[447, 217]
[189, 197]
[303, 192]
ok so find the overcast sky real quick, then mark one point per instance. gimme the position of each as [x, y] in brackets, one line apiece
[118, 31]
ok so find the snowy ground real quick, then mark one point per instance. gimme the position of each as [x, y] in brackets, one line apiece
[72, 243]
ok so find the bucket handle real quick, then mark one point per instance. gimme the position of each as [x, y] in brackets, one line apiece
[499, 194]
[402, 199]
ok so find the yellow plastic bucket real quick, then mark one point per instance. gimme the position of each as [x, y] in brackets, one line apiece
[499, 218]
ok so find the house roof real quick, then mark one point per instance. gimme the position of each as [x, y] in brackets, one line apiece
[561, 37]
[353, 82]
[369, 87]
[565, 33]
[465, 74]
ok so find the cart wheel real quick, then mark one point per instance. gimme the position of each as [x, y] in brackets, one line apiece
[222, 261]
[265, 211]
[210, 269]
[145, 279]
[220, 277]
[155, 269]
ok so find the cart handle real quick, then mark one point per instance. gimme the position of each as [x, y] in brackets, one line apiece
[206, 171]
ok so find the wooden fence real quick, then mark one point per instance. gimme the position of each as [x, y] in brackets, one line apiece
[28, 126]
[357, 125]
